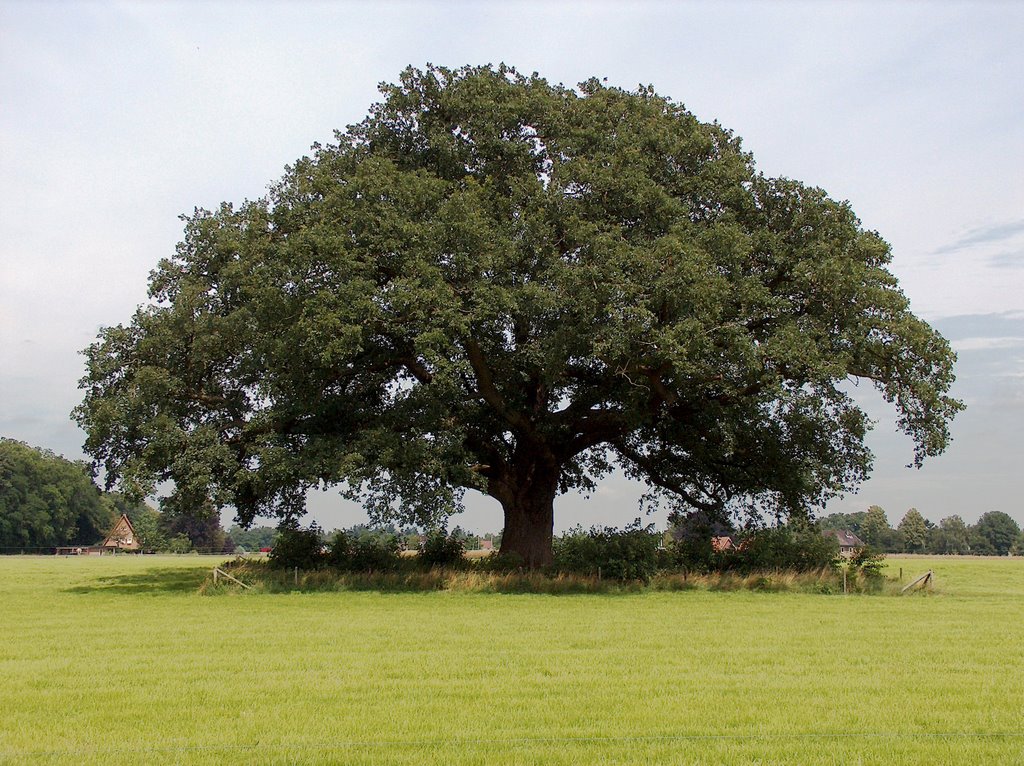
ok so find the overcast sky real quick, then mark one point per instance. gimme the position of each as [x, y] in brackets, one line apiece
[117, 117]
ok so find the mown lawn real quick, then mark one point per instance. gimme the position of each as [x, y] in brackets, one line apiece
[119, 661]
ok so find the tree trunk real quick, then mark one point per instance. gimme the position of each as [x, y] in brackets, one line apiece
[528, 532]
[527, 496]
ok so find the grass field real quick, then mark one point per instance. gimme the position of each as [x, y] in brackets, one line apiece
[121, 660]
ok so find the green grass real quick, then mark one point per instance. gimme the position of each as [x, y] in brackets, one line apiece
[119, 661]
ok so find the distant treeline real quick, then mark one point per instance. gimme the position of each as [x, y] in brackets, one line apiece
[48, 501]
[994, 534]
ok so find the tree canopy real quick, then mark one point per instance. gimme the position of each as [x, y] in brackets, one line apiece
[499, 284]
[995, 533]
[950, 536]
[914, 531]
[46, 500]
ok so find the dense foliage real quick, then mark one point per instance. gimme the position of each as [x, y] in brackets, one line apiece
[500, 284]
[913, 531]
[297, 547]
[199, 525]
[619, 554]
[364, 550]
[995, 533]
[46, 500]
[798, 546]
[692, 536]
[254, 538]
[442, 549]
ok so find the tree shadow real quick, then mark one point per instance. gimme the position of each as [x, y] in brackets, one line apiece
[154, 581]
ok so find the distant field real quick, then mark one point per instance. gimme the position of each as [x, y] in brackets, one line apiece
[121, 661]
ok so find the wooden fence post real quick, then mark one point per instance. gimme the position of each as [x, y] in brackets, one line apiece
[218, 573]
[926, 580]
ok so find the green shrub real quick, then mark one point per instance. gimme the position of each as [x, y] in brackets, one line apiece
[797, 546]
[577, 551]
[867, 565]
[339, 551]
[376, 553]
[362, 549]
[298, 547]
[500, 562]
[690, 549]
[441, 549]
[179, 544]
[618, 554]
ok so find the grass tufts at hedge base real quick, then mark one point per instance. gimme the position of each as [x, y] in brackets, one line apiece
[474, 577]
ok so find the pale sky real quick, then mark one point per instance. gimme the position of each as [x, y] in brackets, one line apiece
[117, 117]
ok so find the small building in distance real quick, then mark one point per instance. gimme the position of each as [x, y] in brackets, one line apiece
[122, 537]
[721, 544]
[848, 542]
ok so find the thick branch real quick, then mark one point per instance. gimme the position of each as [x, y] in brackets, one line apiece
[490, 393]
[418, 370]
[660, 393]
[595, 427]
[658, 479]
[212, 400]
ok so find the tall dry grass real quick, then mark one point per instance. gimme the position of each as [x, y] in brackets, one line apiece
[263, 579]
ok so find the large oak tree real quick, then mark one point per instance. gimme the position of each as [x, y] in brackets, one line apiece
[504, 285]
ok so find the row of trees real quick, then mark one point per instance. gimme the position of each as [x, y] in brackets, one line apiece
[994, 534]
[48, 501]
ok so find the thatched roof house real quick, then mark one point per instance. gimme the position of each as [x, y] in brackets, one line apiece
[122, 537]
[722, 543]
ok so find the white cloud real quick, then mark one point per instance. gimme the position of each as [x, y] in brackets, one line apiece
[992, 233]
[986, 344]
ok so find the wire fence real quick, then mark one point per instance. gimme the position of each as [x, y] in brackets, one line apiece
[91, 550]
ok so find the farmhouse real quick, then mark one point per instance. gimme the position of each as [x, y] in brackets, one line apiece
[722, 544]
[121, 537]
[848, 542]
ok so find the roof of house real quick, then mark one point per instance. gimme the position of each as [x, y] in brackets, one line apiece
[845, 537]
[122, 535]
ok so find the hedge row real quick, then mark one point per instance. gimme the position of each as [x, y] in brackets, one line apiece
[633, 553]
